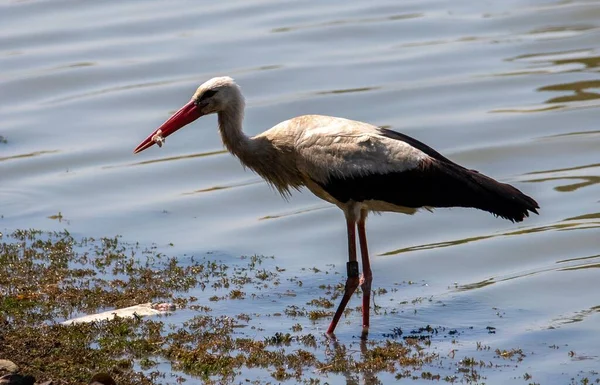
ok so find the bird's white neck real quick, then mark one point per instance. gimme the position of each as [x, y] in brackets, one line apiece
[230, 128]
[257, 153]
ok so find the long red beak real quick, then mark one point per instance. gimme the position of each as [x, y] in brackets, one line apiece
[181, 118]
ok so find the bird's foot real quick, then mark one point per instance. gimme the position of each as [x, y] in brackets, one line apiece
[331, 336]
[365, 333]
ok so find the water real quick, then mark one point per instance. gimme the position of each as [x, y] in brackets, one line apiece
[508, 88]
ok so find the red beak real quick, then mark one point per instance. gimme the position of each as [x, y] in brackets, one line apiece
[181, 118]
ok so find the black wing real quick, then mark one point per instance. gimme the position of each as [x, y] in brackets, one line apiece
[437, 182]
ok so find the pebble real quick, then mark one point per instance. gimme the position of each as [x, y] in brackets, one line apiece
[8, 366]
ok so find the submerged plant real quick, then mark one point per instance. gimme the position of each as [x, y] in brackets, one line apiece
[47, 278]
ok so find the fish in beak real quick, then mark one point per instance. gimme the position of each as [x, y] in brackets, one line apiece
[181, 118]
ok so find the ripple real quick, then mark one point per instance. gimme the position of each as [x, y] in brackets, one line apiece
[28, 155]
[576, 133]
[345, 22]
[48, 70]
[586, 180]
[569, 260]
[560, 32]
[593, 165]
[580, 96]
[347, 90]
[107, 90]
[544, 33]
[582, 59]
[575, 264]
[579, 89]
[143, 85]
[168, 159]
[571, 225]
[21, 200]
[586, 266]
[584, 217]
[295, 212]
[574, 317]
[224, 187]
[430, 70]
[528, 109]
[553, 62]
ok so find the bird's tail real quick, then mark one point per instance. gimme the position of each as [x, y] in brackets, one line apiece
[469, 188]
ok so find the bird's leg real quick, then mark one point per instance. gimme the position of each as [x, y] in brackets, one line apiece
[352, 280]
[367, 277]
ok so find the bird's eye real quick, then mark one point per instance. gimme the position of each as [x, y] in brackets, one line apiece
[206, 95]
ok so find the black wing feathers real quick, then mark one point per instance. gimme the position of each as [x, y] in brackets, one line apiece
[437, 182]
[415, 143]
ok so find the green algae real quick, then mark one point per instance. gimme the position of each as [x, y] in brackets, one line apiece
[46, 278]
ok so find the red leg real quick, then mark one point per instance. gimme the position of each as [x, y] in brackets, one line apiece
[352, 280]
[367, 275]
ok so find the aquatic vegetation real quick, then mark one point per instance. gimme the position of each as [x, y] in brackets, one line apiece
[47, 278]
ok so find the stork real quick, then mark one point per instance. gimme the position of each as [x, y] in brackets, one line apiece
[356, 166]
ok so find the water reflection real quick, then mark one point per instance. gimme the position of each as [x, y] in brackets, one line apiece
[476, 285]
[554, 62]
[587, 180]
[581, 97]
[585, 216]
[589, 266]
[571, 225]
[560, 32]
[168, 159]
[578, 259]
[576, 133]
[580, 91]
[528, 109]
[341, 353]
[347, 90]
[327, 48]
[225, 187]
[579, 263]
[297, 212]
[143, 85]
[593, 165]
[108, 90]
[544, 33]
[344, 22]
[64, 67]
[557, 57]
[29, 155]
[576, 317]
[587, 62]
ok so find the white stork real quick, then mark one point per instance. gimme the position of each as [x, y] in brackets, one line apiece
[356, 166]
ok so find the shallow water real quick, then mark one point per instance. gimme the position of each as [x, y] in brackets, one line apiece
[507, 88]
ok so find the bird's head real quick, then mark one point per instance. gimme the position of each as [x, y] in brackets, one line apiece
[216, 95]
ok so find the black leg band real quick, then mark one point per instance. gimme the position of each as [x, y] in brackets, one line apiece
[352, 267]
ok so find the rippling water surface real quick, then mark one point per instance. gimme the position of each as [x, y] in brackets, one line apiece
[509, 88]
